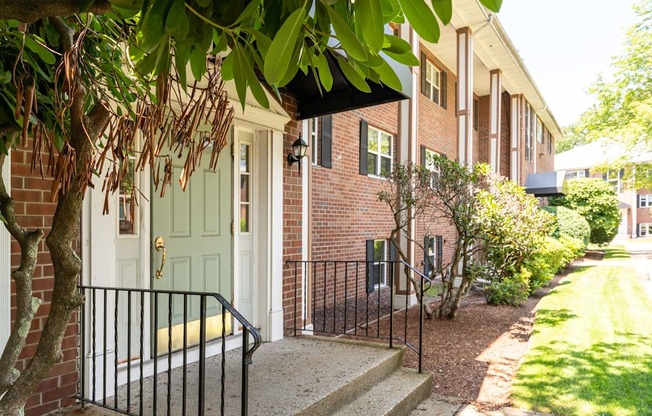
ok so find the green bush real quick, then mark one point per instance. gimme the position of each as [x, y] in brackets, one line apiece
[512, 290]
[569, 222]
[545, 262]
[596, 201]
[573, 249]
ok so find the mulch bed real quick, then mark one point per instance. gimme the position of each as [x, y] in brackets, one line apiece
[473, 357]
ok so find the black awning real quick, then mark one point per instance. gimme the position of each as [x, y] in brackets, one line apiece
[343, 96]
[546, 184]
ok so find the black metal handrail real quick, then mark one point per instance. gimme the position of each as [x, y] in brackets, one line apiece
[140, 345]
[342, 297]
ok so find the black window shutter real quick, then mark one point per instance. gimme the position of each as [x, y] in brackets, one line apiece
[638, 201]
[638, 230]
[440, 250]
[587, 173]
[370, 266]
[443, 80]
[423, 74]
[326, 154]
[426, 258]
[423, 155]
[363, 146]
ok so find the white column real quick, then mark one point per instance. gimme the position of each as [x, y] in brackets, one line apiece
[515, 138]
[465, 95]
[495, 110]
[275, 288]
[5, 267]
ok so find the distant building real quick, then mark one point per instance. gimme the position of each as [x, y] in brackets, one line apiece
[635, 204]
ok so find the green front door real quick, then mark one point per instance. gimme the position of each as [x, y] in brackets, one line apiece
[195, 228]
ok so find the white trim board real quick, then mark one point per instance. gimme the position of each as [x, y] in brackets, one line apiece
[5, 268]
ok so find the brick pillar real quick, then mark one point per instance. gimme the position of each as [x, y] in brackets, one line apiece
[495, 111]
[464, 108]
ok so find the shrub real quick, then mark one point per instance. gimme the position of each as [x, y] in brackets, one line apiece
[573, 249]
[512, 290]
[596, 201]
[545, 262]
[569, 222]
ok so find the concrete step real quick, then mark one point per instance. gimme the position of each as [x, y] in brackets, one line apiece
[396, 395]
[352, 386]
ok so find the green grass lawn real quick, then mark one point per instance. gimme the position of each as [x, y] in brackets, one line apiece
[615, 252]
[591, 350]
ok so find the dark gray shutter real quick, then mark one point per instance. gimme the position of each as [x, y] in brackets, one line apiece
[443, 80]
[440, 250]
[638, 201]
[363, 146]
[638, 230]
[423, 74]
[370, 266]
[426, 259]
[423, 155]
[587, 173]
[326, 154]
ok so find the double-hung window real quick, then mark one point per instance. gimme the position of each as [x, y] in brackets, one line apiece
[644, 230]
[377, 264]
[429, 164]
[379, 151]
[576, 174]
[645, 201]
[433, 83]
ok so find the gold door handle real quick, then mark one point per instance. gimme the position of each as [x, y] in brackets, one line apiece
[159, 245]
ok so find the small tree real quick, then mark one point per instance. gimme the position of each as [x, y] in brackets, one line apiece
[444, 192]
[596, 201]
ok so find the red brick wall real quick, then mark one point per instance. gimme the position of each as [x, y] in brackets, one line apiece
[34, 210]
[483, 144]
[505, 136]
[292, 221]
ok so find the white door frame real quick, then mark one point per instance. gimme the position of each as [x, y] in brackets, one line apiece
[5, 266]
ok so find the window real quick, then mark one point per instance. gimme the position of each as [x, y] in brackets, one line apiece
[127, 212]
[615, 178]
[476, 118]
[540, 132]
[377, 264]
[379, 151]
[576, 174]
[432, 263]
[644, 230]
[433, 83]
[429, 164]
[313, 128]
[645, 201]
[245, 188]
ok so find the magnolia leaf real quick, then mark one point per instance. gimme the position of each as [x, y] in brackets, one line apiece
[391, 9]
[407, 58]
[493, 5]
[254, 84]
[38, 48]
[353, 75]
[227, 67]
[371, 19]
[347, 38]
[444, 9]
[422, 19]
[198, 62]
[324, 72]
[395, 44]
[176, 18]
[248, 11]
[279, 57]
[240, 65]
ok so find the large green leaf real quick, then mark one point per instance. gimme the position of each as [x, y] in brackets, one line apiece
[353, 75]
[444, 9]
[249, 10]
[389, 77]
[493, 5]
[422, 19]
[324, 71]
[407, 58]
[176, 21]
[279, 57]
[198, 62]
[395, 44]
[371, 18]
[347, 38]
[391, 9]
[254, 84]
[38, 48]
[239, 74]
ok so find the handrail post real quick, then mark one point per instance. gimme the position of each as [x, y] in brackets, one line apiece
[420, 325]
[245, 374]
[391, 305]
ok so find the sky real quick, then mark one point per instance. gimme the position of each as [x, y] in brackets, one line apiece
[566, 44]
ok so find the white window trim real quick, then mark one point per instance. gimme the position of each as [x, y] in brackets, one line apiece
[645, 201]
[313, 130]
[430, 167]
[644, 229]
[575, 174]
[433, 88]
[376, 152]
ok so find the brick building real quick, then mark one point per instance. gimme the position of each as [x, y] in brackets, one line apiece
[635, 204]
[471, 99]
